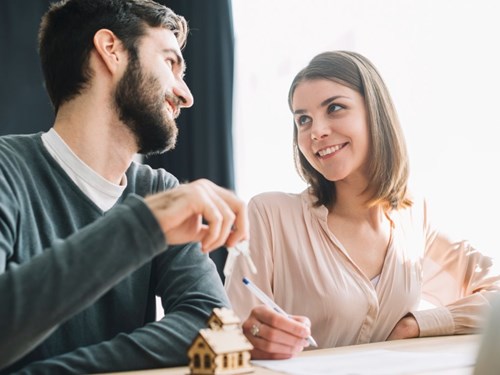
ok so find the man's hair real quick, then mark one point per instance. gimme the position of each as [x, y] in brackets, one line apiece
[388, 166]
[66, 34]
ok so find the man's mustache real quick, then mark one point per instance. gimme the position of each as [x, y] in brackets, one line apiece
[175, 101]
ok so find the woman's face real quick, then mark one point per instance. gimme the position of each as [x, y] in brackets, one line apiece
[332, 128]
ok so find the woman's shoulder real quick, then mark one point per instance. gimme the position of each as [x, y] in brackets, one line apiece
[415, 213]
[276, 200]
[292, 205]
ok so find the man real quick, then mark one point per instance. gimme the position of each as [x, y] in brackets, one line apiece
[87, 236]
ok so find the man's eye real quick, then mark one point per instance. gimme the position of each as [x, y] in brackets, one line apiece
[303, 120]
[170, 63]
[334, 108]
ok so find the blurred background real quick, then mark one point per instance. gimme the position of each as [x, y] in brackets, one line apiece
[439, 59]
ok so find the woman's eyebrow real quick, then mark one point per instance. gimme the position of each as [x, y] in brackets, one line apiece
[322, 104]
[331, 99]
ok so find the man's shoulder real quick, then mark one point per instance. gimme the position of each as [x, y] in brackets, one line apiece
[19, 150]
[150, 180]
[15, 142]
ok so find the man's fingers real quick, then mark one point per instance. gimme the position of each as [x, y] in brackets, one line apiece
[234, 227]
[179, 212]
[210, 210]
[220, 217]
[239, 228]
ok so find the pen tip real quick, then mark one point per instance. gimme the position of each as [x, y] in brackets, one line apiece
[312, 341]
[245, 280]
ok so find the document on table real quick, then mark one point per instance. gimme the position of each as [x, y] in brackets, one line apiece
[373, 362]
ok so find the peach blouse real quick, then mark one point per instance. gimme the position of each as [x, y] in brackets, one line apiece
[307, 271]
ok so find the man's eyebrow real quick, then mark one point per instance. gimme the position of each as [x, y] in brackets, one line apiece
[179, 59]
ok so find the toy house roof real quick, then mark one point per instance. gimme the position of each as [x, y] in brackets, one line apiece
[225, 341]
[226, 316]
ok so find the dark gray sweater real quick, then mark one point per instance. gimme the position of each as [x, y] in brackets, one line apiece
[78, 286]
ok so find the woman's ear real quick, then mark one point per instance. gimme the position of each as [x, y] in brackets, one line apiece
[111, 51]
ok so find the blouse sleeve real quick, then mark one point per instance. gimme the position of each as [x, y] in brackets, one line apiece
[459, 281]
[261, 251]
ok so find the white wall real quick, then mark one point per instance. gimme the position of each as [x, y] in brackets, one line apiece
[440, 60]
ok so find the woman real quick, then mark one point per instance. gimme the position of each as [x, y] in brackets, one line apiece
[355, 253]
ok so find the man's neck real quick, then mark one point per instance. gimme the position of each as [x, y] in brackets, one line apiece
[97, 137]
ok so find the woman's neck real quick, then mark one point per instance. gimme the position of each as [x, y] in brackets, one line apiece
[351, 204]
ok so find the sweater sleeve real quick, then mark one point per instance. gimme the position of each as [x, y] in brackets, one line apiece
[188, 283]
[459, 281]
[129, 232]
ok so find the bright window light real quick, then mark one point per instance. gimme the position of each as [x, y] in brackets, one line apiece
[440, 60]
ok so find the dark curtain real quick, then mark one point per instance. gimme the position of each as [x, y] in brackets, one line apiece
[204, 146]
[24, 105]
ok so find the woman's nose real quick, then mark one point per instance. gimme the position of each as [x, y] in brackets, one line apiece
[319, 130]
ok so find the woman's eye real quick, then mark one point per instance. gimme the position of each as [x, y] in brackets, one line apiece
[334, 108]
[302, 120]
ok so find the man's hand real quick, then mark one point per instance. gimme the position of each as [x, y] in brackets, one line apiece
[406, 328]
[275, 336]
[181, 212]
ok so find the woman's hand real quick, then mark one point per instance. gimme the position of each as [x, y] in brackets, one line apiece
[406, 328]
[276, 336]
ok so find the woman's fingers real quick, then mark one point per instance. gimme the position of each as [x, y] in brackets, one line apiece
[274, 335]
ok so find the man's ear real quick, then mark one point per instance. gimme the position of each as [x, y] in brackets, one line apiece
[111, 50]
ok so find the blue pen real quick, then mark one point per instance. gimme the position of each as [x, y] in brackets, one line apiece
[263, 297]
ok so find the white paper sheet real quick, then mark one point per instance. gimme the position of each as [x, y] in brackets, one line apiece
[374, 362]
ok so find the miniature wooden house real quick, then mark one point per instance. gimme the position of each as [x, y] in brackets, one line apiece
[221, 349]
[222, 318]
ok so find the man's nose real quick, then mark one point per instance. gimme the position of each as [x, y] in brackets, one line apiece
[181, 90]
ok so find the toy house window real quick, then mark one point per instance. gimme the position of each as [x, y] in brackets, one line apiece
[197, 361]
[240, 359]
[208, 362]
[201, 344]
[224, 361]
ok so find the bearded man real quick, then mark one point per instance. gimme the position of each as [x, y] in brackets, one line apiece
[88, 237]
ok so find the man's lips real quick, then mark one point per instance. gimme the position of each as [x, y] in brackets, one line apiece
[173, 108]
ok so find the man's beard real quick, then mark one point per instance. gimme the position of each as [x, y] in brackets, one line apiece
[141, 107]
